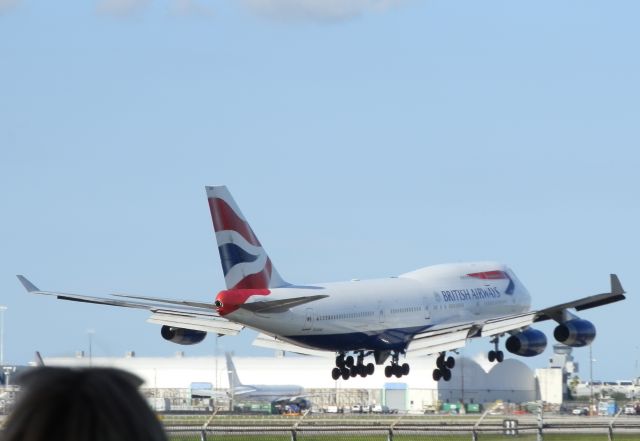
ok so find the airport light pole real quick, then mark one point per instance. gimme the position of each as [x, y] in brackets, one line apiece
[90, 332]
[591, 379]
[3, 308]
[216, 385]
[462, 379]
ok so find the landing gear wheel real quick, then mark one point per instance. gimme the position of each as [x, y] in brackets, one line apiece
[387, 371]
[440, 362]
[500, 356]
[446, 375]
[353, 371]
[340, 361]
[437, 374]
[371, 369]
[336, 373]
[345, 373]
[405, 369]
[349, 361]
[397, 371]
[451, 362]
[492, 356]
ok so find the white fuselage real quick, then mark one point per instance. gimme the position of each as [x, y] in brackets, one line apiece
[384, 314]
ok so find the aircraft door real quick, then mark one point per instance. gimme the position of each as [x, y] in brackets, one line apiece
[380, 312]
[308, 319]
[427, 309]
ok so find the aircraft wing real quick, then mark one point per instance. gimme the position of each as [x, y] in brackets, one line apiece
[616, 294]
[175, 313]
[266, 306]
[454, 336]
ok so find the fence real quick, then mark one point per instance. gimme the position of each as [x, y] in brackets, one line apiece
[314, 427]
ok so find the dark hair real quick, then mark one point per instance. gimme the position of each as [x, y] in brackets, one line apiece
[88, 404]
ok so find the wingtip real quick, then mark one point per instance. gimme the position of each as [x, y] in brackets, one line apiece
[616, 286]
[30, 287]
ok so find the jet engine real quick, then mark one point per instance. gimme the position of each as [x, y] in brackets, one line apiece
[575, 333]
[182, 336]
[527, 343]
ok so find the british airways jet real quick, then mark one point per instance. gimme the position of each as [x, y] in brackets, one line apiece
[432, 310]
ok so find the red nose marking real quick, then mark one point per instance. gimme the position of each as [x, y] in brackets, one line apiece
[230, 300]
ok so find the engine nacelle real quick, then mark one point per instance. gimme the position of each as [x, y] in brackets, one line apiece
[575, 333]
[182, 336]
[527, 343]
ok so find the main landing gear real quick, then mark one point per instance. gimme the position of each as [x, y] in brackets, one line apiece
[444, 366]
[347, 367]
[496, 354]
[395, 368]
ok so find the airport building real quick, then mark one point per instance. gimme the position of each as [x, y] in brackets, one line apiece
[182, 382]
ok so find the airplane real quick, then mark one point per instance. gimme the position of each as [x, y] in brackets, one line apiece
[431, 310]
[259, 392]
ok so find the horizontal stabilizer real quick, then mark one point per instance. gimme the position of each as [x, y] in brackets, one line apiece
[198, 316]
[274, 306]
[190, 303]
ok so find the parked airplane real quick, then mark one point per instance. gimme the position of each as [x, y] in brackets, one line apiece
[260, 392]
[432, 310]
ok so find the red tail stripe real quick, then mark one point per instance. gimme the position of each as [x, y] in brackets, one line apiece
[224, 218]
[258, 280]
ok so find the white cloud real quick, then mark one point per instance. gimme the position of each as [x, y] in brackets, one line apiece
[7, 5]
[121, 8]
[318, 10]
[191, 8]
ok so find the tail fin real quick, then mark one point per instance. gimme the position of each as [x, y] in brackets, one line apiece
[244, 262]
[234, 381]
[39, 360]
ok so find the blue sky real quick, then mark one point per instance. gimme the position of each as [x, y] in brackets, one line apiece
[362, 138]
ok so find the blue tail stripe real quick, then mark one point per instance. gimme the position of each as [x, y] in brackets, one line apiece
[231, 255]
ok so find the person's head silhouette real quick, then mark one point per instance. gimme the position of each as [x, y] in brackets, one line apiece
[98, 404]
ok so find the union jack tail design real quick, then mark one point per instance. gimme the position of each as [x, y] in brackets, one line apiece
[245, 263]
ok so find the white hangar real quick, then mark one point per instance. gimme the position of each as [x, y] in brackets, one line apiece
[510, 381]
